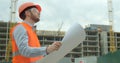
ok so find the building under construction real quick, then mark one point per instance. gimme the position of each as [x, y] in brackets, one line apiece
[97, 41]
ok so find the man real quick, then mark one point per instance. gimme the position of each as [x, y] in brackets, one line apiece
[25, 44]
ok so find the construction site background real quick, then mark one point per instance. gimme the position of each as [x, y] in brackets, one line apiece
[94, 46]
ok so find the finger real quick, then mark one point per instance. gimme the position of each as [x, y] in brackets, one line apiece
[58, 44]
[56, 47]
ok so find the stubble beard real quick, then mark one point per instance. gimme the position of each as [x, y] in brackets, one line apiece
[35, 19]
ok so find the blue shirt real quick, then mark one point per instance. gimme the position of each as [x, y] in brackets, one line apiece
[21, 38]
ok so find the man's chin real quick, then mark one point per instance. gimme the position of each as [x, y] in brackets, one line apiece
[37, 20]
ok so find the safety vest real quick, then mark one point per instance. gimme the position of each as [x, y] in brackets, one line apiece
[32, 42]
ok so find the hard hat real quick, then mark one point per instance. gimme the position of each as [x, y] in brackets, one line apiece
[28, 4]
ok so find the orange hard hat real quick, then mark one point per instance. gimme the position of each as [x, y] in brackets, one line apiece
[28, 4]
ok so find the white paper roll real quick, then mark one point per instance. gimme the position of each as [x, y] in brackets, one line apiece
[73, 37]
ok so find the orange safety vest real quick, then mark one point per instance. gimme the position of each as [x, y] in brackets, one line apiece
[32, 42]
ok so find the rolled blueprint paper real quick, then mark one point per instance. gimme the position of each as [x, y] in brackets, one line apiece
[73, 37]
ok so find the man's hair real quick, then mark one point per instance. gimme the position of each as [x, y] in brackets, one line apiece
[22, 14]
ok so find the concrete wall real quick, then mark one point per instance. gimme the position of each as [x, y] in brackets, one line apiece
[104, 42]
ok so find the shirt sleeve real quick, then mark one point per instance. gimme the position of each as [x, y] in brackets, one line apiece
[21, 38]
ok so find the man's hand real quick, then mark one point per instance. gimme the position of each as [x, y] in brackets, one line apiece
[55, 46]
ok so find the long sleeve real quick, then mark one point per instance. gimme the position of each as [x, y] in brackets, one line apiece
[21, 38]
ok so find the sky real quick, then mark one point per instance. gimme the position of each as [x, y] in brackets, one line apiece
[65, 12]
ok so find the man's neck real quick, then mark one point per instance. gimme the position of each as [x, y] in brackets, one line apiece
[29, 21]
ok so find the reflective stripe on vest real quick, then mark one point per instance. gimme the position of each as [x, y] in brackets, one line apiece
[15, 53]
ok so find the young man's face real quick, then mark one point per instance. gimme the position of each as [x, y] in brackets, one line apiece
[34, 14]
